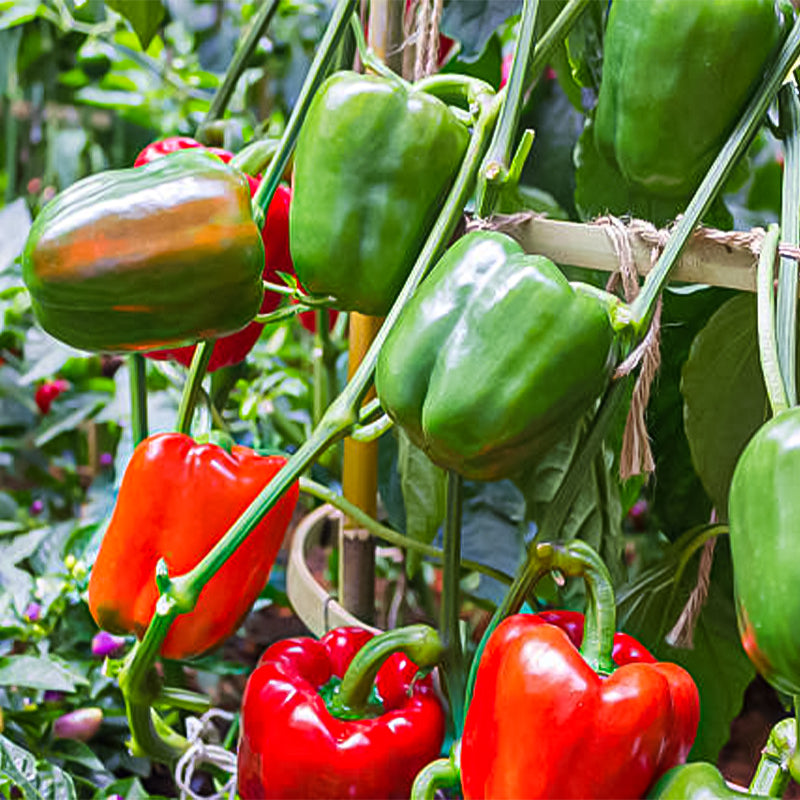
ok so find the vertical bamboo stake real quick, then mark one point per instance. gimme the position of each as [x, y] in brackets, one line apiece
[360, 470]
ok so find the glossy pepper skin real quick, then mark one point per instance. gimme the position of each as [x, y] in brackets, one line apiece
[696, 781]
[176, 501]
[764, 509]
[292, 748]
[539, 709]
[495, 357]
[676, 77]
[374, 161]
[128, 260]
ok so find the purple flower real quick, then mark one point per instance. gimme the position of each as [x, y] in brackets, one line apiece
[37, 506]
[81, 724]
[33, 612]
[53, 696]
[106, 459]
[106, 644]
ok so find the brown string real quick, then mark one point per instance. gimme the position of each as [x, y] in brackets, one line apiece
[428, 13]
[682, 633]
[636, 456]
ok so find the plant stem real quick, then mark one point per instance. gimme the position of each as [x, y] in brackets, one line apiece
[767, 344]
[771, 777]
[439, 774]
[390, 536]
[789, 117]
[644, 305]
[193, 385]
[138, 379]
[258, 27]
[494, 169]
[179, 596]
[326, 51]
[449, 626]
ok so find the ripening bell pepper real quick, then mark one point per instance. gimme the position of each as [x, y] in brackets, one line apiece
[697, 781]
[496, 356]
[176, 501]
[374, 161]
[763, 510]
[676, 77]
[549, 720]
[310, 729]
[129, 260]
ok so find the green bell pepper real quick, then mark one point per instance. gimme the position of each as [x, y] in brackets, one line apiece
[140, 259]
[676, 75]
[496, 356]
[764, 509]
[374, 161]
[697, 781]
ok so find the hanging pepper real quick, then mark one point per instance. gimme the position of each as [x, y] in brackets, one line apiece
[763, 510]
[540, 705]
[129, 260]
[314, 726]
[374, 161]
[496, 357]
[676, 76]
[176, 501]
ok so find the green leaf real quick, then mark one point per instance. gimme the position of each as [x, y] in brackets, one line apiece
[71, 750]
[725, 400]
[145, 17]
[15, 222]
[596, 514]
[39, 672]
[650, 607]
[37, 780]
[473, 23]
[585, 46]
[18, 12]
[679, 499]
[424, 495]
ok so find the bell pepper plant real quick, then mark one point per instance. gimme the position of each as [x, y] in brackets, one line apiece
[343, 716]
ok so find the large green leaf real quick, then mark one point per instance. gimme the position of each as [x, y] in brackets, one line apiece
[649, 608]
[38, 672]
[424, 495]
[145, 17]
[725, 400]
[473, 23]
[37, 780]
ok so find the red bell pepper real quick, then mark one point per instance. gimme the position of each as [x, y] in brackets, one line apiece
[550, 721]
[305, 735]
[48, 392]
[176, 501]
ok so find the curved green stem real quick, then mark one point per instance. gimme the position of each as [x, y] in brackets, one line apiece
[494, 170]
[644, 305]
[439, 774]
[420, 643]
[138, 398]
[772, 775]
[179, 596]
[258, 27]
[449, 626]
[767, 343]
[193, 385]
[373, 430]
[388, 535]
[789, 117]
[368, 58]
[326, 51]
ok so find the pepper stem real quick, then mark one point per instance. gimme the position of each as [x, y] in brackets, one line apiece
[439, 774]
[772, 773]
[420, 643]
[138, 378]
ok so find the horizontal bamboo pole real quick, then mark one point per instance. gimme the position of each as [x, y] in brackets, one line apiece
[716, 258]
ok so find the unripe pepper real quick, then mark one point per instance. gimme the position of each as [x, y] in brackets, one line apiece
[496, 357]
[300, 737]
[697, 781]
[764, 507]
[374, 161]
[176, 501]
[676, 76]
[128, 260]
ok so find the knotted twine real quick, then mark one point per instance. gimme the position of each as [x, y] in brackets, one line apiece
[204, 749]
[427, 14]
